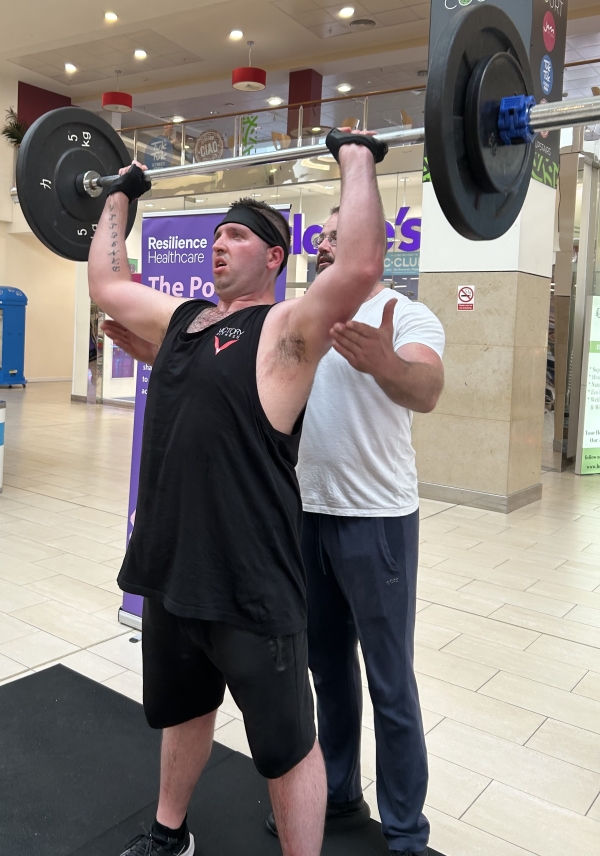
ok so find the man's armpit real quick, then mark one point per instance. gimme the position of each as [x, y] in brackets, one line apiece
[291, 348]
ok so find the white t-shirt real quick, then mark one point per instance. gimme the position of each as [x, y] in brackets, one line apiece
[356, 457]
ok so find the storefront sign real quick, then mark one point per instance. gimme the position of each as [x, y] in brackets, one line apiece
[401, 264]
[159, 153]
[210, 145]
[408, 241]
[590, 436]
[177, 260]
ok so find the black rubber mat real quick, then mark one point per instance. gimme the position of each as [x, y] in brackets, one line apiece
[79, 777]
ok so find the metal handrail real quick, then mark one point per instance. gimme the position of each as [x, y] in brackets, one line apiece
[272, 109]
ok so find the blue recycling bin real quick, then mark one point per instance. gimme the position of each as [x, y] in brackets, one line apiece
[12, 336]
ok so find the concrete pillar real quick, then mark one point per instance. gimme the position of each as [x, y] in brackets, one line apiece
[482, 446]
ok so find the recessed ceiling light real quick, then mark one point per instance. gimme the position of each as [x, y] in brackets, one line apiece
[275, 101]
[344, 87]
[328, 186]
[70, 68]
[140, 54]
[315, 130]
[346, 12]
[178, 118]
[236, 34]
[257, 195]
[110, 17]
[200, 200]
[149, 205]
[163, 209]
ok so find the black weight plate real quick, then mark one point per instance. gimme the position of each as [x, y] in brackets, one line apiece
[58, 147]
[496, 167]
[465, 184]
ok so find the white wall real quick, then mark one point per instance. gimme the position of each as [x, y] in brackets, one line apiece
[46, 279]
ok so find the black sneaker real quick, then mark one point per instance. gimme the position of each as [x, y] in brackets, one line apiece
[338, 817]
[153, 844]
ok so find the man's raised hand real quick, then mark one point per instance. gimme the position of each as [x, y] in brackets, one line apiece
[367, 349]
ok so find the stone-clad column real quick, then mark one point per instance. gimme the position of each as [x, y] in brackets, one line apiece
[483, 443]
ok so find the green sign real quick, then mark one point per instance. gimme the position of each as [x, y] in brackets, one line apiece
[402, 264]
[590, 456]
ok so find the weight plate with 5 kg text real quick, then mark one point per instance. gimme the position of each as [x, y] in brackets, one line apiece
[60, 146]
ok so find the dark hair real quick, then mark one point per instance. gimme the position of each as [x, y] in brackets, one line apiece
[335, 210]
[271, 214]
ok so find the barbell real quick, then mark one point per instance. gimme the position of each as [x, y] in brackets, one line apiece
[481, 123]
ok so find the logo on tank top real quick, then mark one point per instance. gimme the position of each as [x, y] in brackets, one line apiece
[230, 333]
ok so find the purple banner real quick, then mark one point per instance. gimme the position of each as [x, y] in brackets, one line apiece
[176, 259]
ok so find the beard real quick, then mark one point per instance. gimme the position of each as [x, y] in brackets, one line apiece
[322, 260]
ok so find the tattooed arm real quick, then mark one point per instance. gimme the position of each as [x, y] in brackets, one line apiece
[142, 310]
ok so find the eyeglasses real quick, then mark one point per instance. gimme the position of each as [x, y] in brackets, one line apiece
[317, 240]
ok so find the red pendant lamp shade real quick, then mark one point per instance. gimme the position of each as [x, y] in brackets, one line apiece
[117, 102]
[249, 78]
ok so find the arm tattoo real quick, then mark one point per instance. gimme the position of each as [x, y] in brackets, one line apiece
[113, 225]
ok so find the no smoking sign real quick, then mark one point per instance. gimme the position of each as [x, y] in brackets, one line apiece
[466, 298]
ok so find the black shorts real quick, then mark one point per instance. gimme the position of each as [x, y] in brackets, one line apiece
[188, 662]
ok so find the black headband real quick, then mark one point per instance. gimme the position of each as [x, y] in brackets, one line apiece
[260, 225]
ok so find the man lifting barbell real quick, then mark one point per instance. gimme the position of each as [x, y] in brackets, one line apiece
[215, 549]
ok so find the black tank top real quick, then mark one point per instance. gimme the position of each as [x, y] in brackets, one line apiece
[218, 519]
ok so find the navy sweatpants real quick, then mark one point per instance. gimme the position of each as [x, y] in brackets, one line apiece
[362, 576]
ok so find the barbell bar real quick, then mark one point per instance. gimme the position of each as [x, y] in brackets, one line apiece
[481, 123]
[541, 117]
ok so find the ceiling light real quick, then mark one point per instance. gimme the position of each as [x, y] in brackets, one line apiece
[344, 87]
[140, 54]
[346, 12]
[328, 186]
[275, 101]
[315, 130]
[274, 169]
[200, 200]
[110, 17]
[149, 205]
[70, 68]
[236, 34]
[257, 195]
[178, 118]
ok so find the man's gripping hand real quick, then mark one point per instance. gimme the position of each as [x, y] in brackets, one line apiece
[339, 137]
[131, 182]
[367, 349]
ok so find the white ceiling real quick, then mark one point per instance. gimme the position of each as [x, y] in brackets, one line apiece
[190, 56]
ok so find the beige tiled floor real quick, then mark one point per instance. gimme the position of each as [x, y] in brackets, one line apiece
[508, 630]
